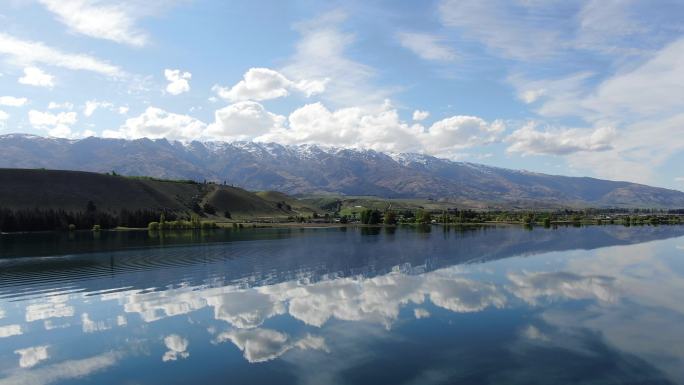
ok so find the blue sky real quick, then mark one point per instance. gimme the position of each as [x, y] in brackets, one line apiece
[566, 87]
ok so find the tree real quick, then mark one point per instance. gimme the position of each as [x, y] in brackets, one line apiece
[370, 217]
[390, 218]
[423, 216]
[90, 207]
[227, 214]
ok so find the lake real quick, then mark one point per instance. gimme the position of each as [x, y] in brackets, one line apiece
[433, 305]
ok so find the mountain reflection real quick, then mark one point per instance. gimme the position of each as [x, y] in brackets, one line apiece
[320, 296]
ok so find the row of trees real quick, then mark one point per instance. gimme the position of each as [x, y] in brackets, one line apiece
[180, 224]
[546, 218]
[13, 220]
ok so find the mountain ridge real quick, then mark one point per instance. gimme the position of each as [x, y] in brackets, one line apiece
[312, 169]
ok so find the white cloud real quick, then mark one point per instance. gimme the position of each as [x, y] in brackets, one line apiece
[531, 96]
[446, 136]
[679, 179]
[419, 115]
[264, 83]
[380, 130]
[30, 357]
[157, 123]
[4, 116]
[427, 46]
[178, 81]
[178, 348]
[523, 30]
[642, 101]
[321, 54]
[34, 76]
[243, 121]
[529, 140]
[58, 125]
[651, 89]
[60, 106]
[114, 21]
[532, 30]
[28, 53]
[12, 101]
[92, 105]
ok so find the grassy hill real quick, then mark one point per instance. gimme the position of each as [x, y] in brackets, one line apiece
[72, 190]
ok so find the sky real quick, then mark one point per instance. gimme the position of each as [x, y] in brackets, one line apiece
[591, 88]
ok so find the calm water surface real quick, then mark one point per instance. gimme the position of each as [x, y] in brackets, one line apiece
[594, 305]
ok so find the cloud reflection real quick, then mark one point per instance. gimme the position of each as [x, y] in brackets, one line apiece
[260, 345]
[10, 330]
[532, 287]
[65, 370]
[30, 357]
[177, 346]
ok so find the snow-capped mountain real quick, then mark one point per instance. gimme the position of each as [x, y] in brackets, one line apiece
[311, 169]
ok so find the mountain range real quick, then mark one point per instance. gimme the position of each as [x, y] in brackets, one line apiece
[315, 170]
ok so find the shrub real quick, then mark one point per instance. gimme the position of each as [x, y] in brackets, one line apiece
[209, 209]
[153, 226]
[96, 228]
[72, 227]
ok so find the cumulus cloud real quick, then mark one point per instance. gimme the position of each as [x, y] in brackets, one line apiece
[156, 123]
[28, 53]
[446, 136]
[92, 105]
[12, 101]
[115, 21]
[30, 357]
[57, 125]
[34, 76]
[179, 81]
[529, 140]
[427, 46]
[178, 348]
[60, 106]
[378, 129]
[263, 84]
[419, 115]
[243, 121]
